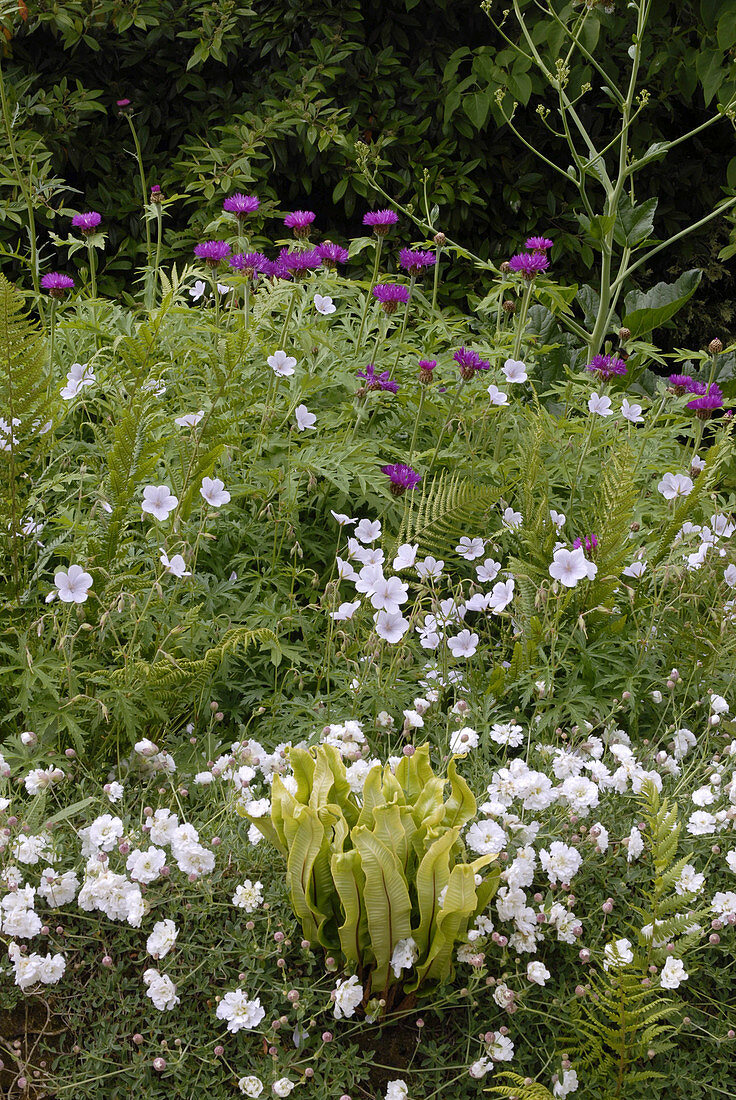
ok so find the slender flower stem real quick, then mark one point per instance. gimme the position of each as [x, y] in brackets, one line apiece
[521, 323]
[289, 312]
[374, 280]
[403, 326]
[215, 291]
[52, 339]
[435, 285]
[416, 422]
[144, 188]
[446, 423]
[159, 234]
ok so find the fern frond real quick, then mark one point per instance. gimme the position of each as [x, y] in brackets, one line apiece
[614, 509]
[519, 1088]
[447, 508]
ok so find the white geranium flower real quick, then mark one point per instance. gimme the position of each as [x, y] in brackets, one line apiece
[512, 520]
[514, 370]
[368, 530]
[558, 518]
[159, 501]
[342, 519]
[214, 492]
[636, 569]
[74, 585]
[470, 549]
[463, 644]
[175, 565]
[429, 567]
[189, 420]
[600, 403]
[488, 571]
[345, 611]
[281, 364]
[304, 418]
[323, 304]
[497, 396]
[198, 290]
[568, 566]
[390, 626]
[675, 485]
[406, 556]
[631, 412]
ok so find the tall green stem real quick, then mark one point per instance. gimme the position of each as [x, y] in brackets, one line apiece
[403, 325]
[374, 279]
[521, 322]
[159, 234]
[416, 423]
[435, 285]
[450, 415]
[144, 188]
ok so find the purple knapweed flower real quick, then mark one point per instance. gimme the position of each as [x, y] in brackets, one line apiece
[529, 264]
[380, 221]
[333, 254]
[538, 244]
[122, 102]
[606, 366]
[590, 542]
[401, 477]
[413, 260]
[277, 269]
[707, 401]
[56, 284]
[390, 294]
[300, 262]
[375, 381]
[426, 370]
[469, 362]
[212, 252]
[87, 222]
[250, 263]
[157, 196]
[680, 383]
[300, 221]
[241, 205]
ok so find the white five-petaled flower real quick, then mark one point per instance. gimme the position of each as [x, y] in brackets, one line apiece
[323, 304]
[463, 644]
[558, 518]
[304, 418]
[158, 501]
[390, 626]
[600, 403]
[196, 291]
[470, 549]
[636, 569]
[175, 565]
[569, 566]
[214, 492]
[73, 586]
[281, 363]
[345, 611]
[368, 530]
[631, 411]
[189, 420]
[675, 485]
[341, 518]
[79, 375]
[406, 555]
[515, 370]
[497, 396]
[512, 520]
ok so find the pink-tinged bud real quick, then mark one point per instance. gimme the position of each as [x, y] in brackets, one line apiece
[59, 930]
[22, 1082]
[305, 944]
[419, 1022]
[214, 705]
[686, 1020]
[731, 1034]
[216, 841]
[250, 925]
[408, 750]
[147, 811]
[279, 937]
[579, 991]
[273, 1051]
[503, 1030]
[714, 939]
[219, 716]
[45, 930]
[326, 1036]
[192, 878]
[652, 969]
[219, 1051]
[607, 906]
[70, 753]
[716, 925]
[123, 847]
[293, 996]
[541, 918]
[165, 871]
[159, 1064]
[344, 1096]
[502, 941]
[12, 821]
[584, 955]
[626, 695]
[106, 961]
[716, 850]
[281, 963]
[309, 1072]
[646, 982]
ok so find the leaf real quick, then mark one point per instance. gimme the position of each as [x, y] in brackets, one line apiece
[477, 106]
[433, 874]
[461, 804]
[347, 873]
[647, 311]
[303, 851]
[387, 902]
[634, 223]
[459, 903]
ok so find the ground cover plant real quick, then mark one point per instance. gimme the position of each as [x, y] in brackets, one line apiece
[367, 664]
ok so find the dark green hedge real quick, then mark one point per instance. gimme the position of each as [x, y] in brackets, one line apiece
[273, 97]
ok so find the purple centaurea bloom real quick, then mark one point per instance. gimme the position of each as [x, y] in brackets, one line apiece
[250, 263]
[380, 221]
[529, 264]
[157, 196]
[590, 542]
[401, 477]
[704, 406]
[241, 205]
[122, 102]
[390, 294]
[212, 252]
[375, 381]
[606, 366]
[426, 370]
[413, 260]
[300, 262]
[333, 254]
[680, 383]
[469, 362]
[538, 244]
[56, 284]
[300, 221]
[87, 222]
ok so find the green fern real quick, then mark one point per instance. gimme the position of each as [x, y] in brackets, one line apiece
[447, 508]
[519, 1089]
[168, 676]
[614, 509]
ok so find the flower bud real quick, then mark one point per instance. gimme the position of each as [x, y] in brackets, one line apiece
[715, 347]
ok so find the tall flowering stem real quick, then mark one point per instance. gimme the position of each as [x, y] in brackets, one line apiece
[521, 320]
[369, 292]
[448, 420]
[144, 188]
[412, 279]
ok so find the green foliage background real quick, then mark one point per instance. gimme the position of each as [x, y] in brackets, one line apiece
[273, 96]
